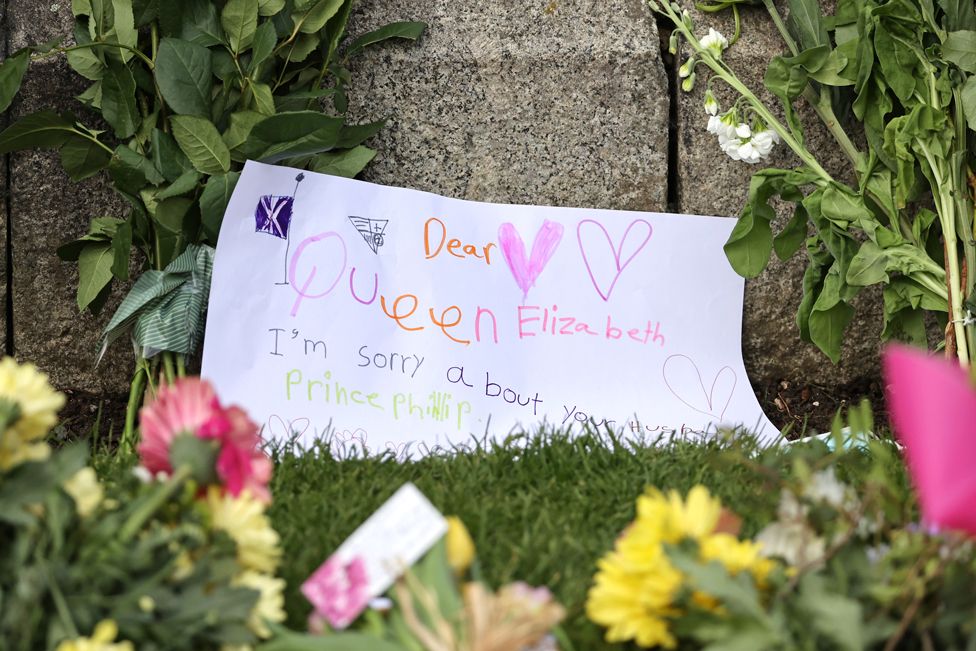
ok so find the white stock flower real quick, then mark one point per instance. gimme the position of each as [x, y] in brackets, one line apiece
[739, 141]
[714, 42]
[825, 487]
[686, 68]
[711, 104]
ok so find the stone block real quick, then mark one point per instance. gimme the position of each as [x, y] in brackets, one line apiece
[48, 209]
[711, 183]
[562, 103]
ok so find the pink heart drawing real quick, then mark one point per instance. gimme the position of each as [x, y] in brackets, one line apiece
[684, 380]
[526, 272]
[588, 259]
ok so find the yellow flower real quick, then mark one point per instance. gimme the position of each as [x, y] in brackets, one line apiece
[103, 639]
[460, 547]
[244, 520]
[30, 406]
[270, 606]
[636, 587]
[736, 555]
[635, 605]
[84, 489]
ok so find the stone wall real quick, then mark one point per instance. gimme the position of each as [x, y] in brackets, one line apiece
[561, 102]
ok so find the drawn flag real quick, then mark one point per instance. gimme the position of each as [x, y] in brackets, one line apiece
[273, 215]
[372, 231]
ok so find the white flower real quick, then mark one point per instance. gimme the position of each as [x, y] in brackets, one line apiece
[715, 43]
[711, 104]
[686, 68]
[740, 142]
[764, 141]
[825, 487]
[744, 131]
[794, 542]
[715, 125]
[688, 83]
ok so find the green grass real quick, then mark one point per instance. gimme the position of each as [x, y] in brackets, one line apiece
[542, 511]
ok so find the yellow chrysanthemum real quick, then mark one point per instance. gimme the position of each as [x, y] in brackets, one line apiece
[736, 555]
[270, 606]
[103, 639]
[30, 406]
[636, 585]
[84, 489]
[460, 547]
[244, 520]
[635, 605]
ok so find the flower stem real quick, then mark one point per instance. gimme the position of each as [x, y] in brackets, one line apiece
[136, 392]
[163, 494]
[778, 21]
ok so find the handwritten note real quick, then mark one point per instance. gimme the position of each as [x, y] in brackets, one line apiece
[396, 320]
[374, 556]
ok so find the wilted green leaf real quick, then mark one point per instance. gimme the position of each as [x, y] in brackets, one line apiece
[201, 142]
[185, 76]
[960, 48]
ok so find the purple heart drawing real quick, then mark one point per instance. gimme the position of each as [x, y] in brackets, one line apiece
[684, 380]
[526, 272]
[282, 431]
[593, 244]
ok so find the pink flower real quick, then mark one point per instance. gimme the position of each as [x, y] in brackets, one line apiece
[933, 410]
[338, 591]
[190, 406]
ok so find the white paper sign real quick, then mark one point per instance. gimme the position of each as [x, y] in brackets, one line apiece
[394, 319]
[374, 556]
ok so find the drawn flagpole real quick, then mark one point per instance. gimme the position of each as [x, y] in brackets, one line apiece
[298, 181]
[273, 216]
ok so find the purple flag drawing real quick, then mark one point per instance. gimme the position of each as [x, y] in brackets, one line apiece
[273, 216]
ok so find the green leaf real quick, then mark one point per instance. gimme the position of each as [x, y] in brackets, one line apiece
[299, 133]
[830, 315]
[201, 24]
[184, 74]
[168, 158]
[346, 163]
[239, 18]
[284, 640]
[350, 136]
[263, 99]
[132, 171]
[806, 23]
[835, 616]
[869, 266]
[94, 272]
[100, 229]
[265, 40]
[44, 129]
[183, 185]
[304, 45]
[213, 202]
[121, 251]
[200, 141]
[145, 11]
[408, 30]
[82, 158]
[959, 47]
[270, 7]
[316, 15]
[12, 70]
[843, 208]
[241, 124]
[86, 62]
[790, 239]
[969, 102]
[124, 28]
[119, 100]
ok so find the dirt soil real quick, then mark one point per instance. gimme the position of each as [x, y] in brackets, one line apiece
[810, 408]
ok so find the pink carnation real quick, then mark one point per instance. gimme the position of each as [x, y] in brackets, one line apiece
[190, 406]
[338, 591]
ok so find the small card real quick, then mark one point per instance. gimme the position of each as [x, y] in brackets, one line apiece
[374, 556]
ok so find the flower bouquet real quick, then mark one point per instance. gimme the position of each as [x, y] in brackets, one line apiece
[177, 555]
